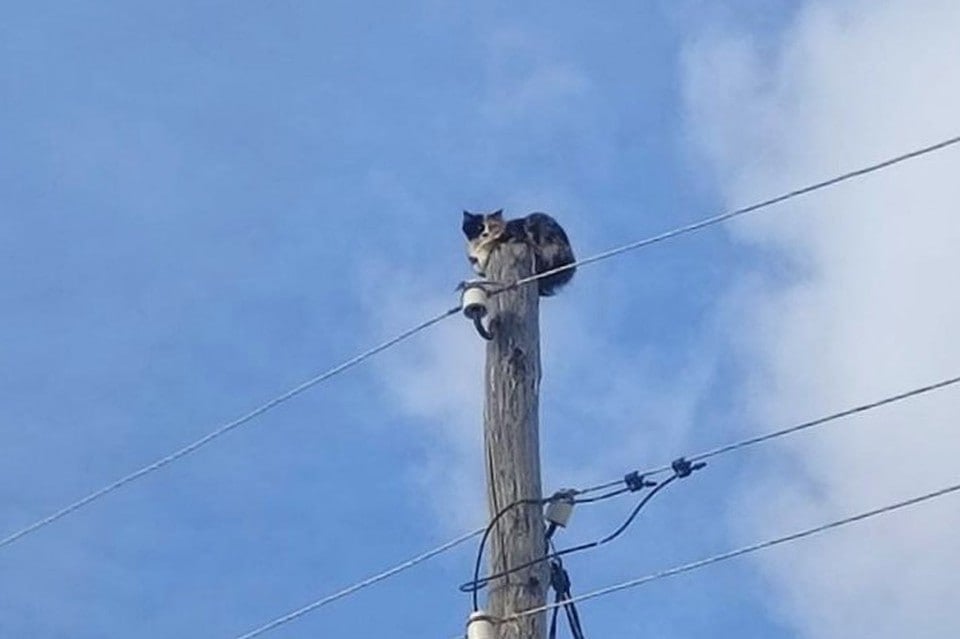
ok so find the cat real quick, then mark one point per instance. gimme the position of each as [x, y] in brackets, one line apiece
[547, 239]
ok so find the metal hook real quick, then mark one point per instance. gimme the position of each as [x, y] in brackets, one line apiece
[484, 332]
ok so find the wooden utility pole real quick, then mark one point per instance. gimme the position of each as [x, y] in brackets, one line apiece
[512, 443]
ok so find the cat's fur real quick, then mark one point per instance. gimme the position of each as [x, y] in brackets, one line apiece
[547, 239]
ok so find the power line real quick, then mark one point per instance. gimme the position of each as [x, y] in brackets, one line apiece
[560, 582]
[206, 439]
[729, 215]
[482, 582]
[489, 528]
[386, 574]
[751, 441]
[736, 553]
[637, 476]
[681, 469]
[186, 450]
[634, 480]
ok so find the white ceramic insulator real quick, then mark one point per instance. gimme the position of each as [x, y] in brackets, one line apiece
[480, 626]
[559, 511]
[474, 302]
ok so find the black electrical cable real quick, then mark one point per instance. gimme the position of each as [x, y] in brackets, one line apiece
[573, 618]
[486, 534]
[626, 524]
[560, 582]
[481, 582]
[552, 632]
[681, 467]
[635, 477]
[739, 552]
[559, 595]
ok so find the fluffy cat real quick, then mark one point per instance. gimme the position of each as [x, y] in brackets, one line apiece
[551, 248]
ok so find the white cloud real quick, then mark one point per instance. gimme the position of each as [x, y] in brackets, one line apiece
[440, 384]
[869, 308]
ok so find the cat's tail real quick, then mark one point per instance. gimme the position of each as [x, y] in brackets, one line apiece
[552, 249]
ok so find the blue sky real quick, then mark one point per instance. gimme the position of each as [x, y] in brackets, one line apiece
[206, 203]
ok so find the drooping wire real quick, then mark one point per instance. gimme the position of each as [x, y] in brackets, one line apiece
[738, 552]
[729, 215]
[222, 430]
[390, 572]
[629, 520]
[478, 583]
[486, 534]
[752, 441]
[481, 582]
[682, 469]
[632, 478]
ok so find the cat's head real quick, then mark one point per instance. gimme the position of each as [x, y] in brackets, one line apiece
[483, 227]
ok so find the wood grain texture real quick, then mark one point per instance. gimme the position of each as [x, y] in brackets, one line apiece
[512, 443]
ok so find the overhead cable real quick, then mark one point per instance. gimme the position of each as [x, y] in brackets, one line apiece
[729, 215]
[633, 583]
[682, 230]
[222, 430]
[386, 574]
[752, 441]
[682, 468]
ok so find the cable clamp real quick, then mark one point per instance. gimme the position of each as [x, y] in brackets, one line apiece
[635, 481]
[682, 468]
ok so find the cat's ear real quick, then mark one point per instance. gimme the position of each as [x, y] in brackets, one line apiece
[467, 215]
[497, 215]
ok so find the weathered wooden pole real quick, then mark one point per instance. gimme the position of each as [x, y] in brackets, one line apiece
[512, 443]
